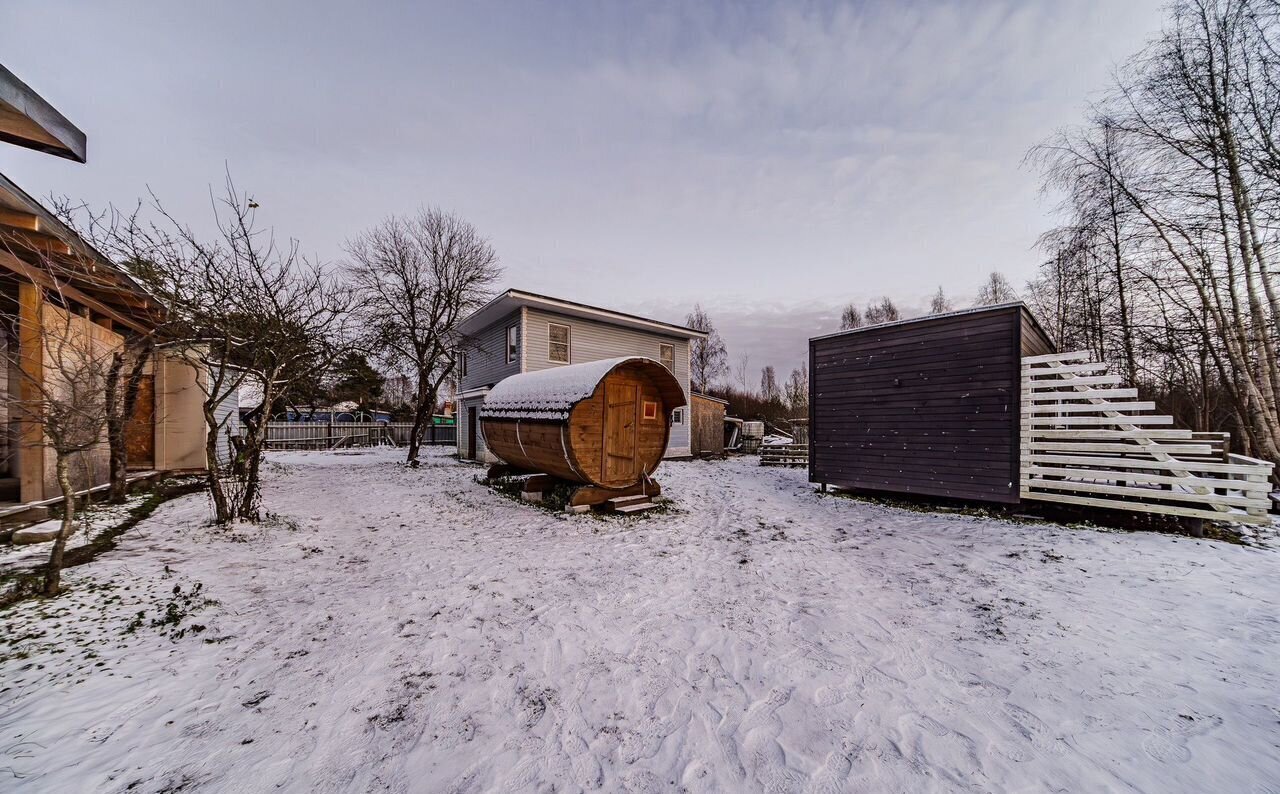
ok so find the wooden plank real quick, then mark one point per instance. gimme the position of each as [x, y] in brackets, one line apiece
[1145, 493]
[30, 357]
[1083, 421]
[12, 263]
[1074, 369]
[1075, 355]
[1245, 460]
[1133, 449]
[1103, 435]
[1079, 408]
[1172, 510]
[1137, 463]
[1088, 380]
[1095, 394]
[1125, 475]
[19, 220]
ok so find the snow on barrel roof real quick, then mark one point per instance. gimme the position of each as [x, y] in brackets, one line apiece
[550, 394]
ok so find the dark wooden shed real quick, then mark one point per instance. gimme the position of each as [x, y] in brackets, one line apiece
[923, 406]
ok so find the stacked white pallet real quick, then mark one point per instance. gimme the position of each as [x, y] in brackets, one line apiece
[1089, 441]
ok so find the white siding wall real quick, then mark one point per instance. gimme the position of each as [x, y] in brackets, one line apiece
[482, 452]
[487, 355]
[591, 340]
[228, 415]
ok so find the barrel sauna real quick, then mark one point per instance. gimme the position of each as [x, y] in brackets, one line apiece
[603, 423]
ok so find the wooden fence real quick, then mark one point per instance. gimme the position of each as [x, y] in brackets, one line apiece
[341, 435]
[1088, 441]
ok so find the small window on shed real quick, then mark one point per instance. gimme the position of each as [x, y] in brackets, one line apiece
[677, 416]
[650, 409]
[557, 343]
[513, 344]
[667, 356]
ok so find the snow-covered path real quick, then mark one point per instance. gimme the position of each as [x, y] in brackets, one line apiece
[412, 631]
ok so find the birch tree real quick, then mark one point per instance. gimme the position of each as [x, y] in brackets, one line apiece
[708, 358]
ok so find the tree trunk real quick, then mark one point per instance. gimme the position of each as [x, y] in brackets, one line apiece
[53, 574]
[255, 441]
[422, 412]
[118, 420]
[222, 507]
[118, 456]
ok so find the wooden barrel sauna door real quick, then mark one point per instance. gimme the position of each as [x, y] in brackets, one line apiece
[621, 405]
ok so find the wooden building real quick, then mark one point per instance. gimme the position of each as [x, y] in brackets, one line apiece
[978, 405]
[62, 299]
[706, 437]
[603, 423]
[924, 406]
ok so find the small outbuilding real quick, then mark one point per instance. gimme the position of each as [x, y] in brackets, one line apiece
[707, 433]
[978, 405]
[923, 406]
[602, 423]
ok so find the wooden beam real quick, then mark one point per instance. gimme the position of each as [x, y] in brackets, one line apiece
[30, 392]
[1172, 510]
[19, 220]
[1078, 355]
[39, 276]
[1159, 465]
[35, 241]
[1156, 494]
[1255, 490]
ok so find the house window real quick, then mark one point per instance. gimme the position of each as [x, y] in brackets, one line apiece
[513, 344]
[677, 416]
[558, 343]
[650, 409]
[667, 355]
[462, 364]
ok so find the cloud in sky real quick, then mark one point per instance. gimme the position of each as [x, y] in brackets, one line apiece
[769, 160]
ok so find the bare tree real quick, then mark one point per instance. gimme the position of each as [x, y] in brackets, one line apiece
[797, 391]
[850, 318]
[882, 311]
[769, 391]
[1164, 261]
[939, 303]
[708, 358]
[741, 372]
[416, 279]
[129, 364]
[995, 290]
[244, 310]
[62, 366]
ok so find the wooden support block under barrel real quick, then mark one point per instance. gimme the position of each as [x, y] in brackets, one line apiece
[591, 495]
[584, 496]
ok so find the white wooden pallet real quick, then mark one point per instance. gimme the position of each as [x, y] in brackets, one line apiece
[1087, 441]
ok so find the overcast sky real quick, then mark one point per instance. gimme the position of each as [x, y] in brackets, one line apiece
[771, 162]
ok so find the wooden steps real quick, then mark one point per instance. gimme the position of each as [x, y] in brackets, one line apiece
[784, 455]
[631, 504]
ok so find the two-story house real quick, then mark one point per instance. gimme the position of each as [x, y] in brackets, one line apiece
[523, 332]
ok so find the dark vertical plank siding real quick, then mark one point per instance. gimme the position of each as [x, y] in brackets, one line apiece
[927, 407]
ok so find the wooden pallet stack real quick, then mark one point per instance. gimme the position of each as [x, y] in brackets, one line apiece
[784, 455]
[1086, 440]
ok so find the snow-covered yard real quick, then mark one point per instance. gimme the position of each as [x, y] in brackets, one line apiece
[410, 630]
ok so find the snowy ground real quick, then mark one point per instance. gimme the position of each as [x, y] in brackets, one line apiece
[412, 631]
